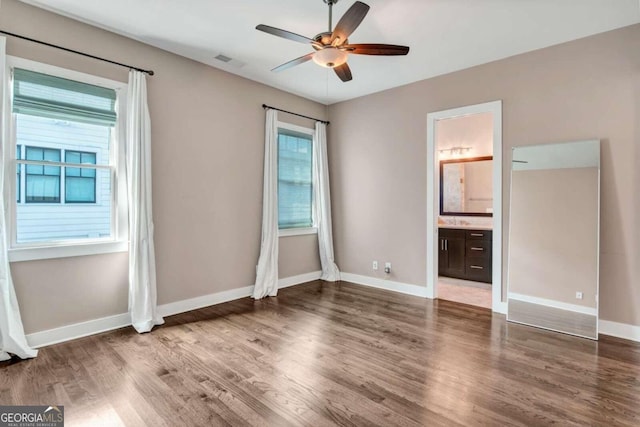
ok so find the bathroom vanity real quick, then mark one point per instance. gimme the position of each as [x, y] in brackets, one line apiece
[465, 253]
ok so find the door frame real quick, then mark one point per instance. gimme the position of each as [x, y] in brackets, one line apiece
[433, 197]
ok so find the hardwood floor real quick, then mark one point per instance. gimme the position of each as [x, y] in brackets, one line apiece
[325, 354]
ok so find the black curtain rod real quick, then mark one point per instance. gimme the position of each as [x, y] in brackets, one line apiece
[150, 72]
[295, 114]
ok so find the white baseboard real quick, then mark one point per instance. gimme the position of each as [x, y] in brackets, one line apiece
[105, 324]
[299, 279]
[620, 330]
[501, 307]
[591, 311]
[389, 285]
[78, 330]
[185, 305]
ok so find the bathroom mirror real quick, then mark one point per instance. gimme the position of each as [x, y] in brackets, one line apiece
[466, 186]
[554, 237]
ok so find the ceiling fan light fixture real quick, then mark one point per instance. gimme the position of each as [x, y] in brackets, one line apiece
[330, 57]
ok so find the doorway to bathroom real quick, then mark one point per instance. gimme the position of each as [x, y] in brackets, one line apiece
[464, 205]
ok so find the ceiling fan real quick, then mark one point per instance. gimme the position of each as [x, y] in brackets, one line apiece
[332, 48]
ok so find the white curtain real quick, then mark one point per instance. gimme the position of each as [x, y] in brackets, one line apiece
[142, 263]
[267, 271]
[330, 270]
[12, 339]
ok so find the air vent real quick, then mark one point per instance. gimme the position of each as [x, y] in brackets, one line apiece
[223, 58]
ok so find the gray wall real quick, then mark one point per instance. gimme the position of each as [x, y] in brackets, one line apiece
[208, 138]
[588, 88]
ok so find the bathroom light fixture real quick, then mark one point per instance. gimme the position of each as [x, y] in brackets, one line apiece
[460, 150]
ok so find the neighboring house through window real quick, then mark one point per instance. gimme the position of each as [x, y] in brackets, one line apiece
[295, 180]
[65, 129]
[80, 183]
[42, 182]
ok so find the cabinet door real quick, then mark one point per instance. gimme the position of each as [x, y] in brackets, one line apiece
[455, 248]
[443, 255]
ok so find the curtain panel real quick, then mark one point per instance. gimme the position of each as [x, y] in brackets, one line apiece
[267, 271]
[12, 337]
[142, 264]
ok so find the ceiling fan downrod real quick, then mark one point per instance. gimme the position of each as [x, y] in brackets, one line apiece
[330, 3]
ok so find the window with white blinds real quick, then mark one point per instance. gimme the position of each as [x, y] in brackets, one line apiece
[295, 179]
[65, 138]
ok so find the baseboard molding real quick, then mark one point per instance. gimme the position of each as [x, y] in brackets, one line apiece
[501, 307]
[78, 330]
[554, 304]
[620, 330]
[389, 285]
[105, 324]
[299, 279]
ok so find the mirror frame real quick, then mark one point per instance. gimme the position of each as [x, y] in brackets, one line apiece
[463, 160]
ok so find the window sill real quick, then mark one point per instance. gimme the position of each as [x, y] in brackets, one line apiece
[288, 232]
[65, 251]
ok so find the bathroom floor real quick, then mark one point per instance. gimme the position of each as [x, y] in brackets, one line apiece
[464, 291]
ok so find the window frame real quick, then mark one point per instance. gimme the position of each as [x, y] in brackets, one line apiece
[118, 240]
[26, 176]
[95, 178]
[300, 231]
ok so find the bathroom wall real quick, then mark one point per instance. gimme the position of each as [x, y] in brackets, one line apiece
[474, 135]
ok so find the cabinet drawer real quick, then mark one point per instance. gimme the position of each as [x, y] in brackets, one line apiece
[451, 233]
[478, 234]
[478, 269]
[478, 249]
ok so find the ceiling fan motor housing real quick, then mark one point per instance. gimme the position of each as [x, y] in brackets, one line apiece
[325, 40]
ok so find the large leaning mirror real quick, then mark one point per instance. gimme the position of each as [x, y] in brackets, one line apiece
[554, 237]
[466, 186]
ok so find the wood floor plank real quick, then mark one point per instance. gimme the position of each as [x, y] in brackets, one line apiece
[323, 354]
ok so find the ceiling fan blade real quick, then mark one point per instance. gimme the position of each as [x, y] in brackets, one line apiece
[344, 72]
[375, 49]
[349, 21]
[283, 33]
[294, 62]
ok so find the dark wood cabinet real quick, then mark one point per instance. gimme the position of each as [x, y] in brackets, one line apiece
[465, 254]
[452, 249]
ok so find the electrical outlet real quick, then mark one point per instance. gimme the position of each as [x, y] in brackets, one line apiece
[387, 267]
[579, 295]
[375, 265]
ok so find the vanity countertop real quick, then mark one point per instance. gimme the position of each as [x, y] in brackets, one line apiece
[466, 227]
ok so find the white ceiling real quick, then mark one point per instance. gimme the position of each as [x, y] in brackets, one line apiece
[444, 35]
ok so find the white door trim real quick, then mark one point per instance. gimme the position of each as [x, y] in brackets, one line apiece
[433, 185]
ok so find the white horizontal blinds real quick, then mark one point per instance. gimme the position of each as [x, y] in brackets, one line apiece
[44, 95]
[295, 188]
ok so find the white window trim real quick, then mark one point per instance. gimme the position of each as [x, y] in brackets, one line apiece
[118, 242]
[288, 232]
[301, 231]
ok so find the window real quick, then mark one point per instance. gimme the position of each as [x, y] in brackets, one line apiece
[295, 178]
[80, 183]
[18, 173]
[42, 182]
[65, 131]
